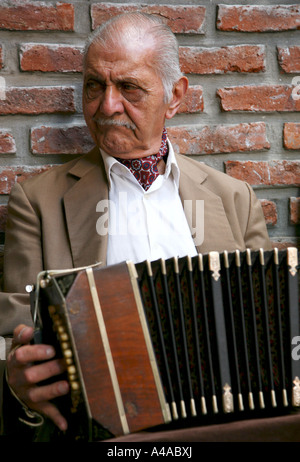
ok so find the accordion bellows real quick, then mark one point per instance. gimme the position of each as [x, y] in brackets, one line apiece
[173, 340]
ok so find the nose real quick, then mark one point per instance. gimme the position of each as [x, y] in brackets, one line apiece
[111, 102]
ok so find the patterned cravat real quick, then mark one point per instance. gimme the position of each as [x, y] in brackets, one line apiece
[145, 169]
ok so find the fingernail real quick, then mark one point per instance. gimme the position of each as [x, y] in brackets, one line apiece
[62, 424]
[22, 331]
[50, 351]
[63, 387]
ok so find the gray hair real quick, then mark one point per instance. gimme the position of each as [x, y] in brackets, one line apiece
[130, 26]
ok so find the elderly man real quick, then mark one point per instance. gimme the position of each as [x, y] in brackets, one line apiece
[132, 85]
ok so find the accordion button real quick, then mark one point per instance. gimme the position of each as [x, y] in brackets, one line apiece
[65, 345]
[72, 370]
[51, 309]
[64, 337]
[75, 386]
[68, 353]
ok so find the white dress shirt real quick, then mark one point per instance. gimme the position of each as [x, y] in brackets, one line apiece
[144, 225]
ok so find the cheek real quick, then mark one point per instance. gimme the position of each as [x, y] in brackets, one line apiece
[88, 113]
[89, 109]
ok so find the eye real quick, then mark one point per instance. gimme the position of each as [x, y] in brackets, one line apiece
[129, 86]
[93, 88]
[131, 92]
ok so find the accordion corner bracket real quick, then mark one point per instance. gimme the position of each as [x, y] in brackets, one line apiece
[214, 265]
[296, 392]
[292, 257]
[227, 399]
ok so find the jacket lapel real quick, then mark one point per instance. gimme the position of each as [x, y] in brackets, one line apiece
[213, 232]
[80, 203]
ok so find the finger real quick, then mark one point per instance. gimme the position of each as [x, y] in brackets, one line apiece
[33, 353]
[40, 372]
[38, 399]
[22, 334]
[34, 396]
[51, 411]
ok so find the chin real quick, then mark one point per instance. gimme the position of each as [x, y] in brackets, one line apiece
[122, 146]
[115, 148]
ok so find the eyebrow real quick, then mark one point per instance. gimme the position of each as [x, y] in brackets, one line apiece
[124, 79]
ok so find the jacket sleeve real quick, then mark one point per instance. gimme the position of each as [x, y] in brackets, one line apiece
[23, 246]
[256, 234]
[22, 261]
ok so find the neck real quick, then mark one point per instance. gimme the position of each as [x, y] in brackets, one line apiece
[156, 149]
[147, 168]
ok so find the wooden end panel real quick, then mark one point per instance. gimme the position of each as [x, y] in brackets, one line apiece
[91, 356]
[128, 346]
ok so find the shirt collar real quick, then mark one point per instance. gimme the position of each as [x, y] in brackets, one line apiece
[112, 165]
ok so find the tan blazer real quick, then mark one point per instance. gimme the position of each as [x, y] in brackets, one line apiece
[52, 222]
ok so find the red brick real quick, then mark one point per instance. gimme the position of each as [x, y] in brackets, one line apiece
[258, 18]
[38, 100]
[37, 16]
[61, 140]
[182, 19]
[240, 58]
[289, 59]
[7, 143]
[270, 211]
[219, 139]
[295, 210]
[10, 175]
[3, 218]
[193, 100]
[259, 98]
[291, 135]
[51, 58]
[281, 245]
[296, 87]
[285, 172]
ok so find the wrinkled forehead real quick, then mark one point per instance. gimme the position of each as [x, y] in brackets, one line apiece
[127, 38]
[131, 56]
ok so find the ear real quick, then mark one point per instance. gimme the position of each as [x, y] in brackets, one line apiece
[179, 91]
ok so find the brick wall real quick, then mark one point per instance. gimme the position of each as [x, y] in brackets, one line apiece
[241, 114]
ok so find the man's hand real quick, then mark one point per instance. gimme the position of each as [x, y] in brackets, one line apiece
[26, 367]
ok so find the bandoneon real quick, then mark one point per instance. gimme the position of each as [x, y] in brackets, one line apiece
[174, 340]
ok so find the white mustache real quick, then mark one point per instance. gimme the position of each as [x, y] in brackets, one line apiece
[113, 122]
